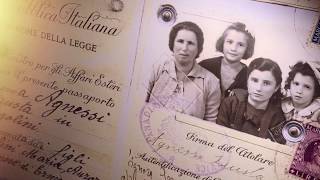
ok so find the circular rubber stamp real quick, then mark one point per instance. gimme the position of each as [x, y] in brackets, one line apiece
[184, 145]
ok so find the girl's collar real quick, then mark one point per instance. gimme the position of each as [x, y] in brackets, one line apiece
[287, 106]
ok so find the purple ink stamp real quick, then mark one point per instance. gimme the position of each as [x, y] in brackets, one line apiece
[171, 140]
[306, 162]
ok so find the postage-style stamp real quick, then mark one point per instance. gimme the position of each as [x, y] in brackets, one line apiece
[313, 39]
[306, 162]
[316, 33]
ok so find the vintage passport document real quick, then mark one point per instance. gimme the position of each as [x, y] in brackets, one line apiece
[167, 143]
[78, 101]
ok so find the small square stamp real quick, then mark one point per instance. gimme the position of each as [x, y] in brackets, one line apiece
[306, 162]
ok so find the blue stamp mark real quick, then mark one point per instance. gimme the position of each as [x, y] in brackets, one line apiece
[316, 34]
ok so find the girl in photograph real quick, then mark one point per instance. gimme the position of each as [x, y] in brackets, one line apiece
[179, 83]
[257, 109]
[236, 43]
[303, 85]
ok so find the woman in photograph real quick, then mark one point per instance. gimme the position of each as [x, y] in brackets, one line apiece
[179, 83]
[303, 85]
[257, 109]
[236, 43]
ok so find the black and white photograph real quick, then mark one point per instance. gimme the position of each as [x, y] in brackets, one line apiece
[159, 89]
[246, 65]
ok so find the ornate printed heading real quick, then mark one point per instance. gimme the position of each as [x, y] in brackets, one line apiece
[73, 15]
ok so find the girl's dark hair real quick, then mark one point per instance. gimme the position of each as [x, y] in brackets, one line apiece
[239, 27]
[190, 26]
[304, 69]
[264, 64]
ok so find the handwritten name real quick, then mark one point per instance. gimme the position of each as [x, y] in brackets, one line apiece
[54, 104]
[159, 145]
[218, 164]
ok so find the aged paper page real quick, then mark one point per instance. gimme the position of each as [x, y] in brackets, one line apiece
[65, 73]
[165, 144]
